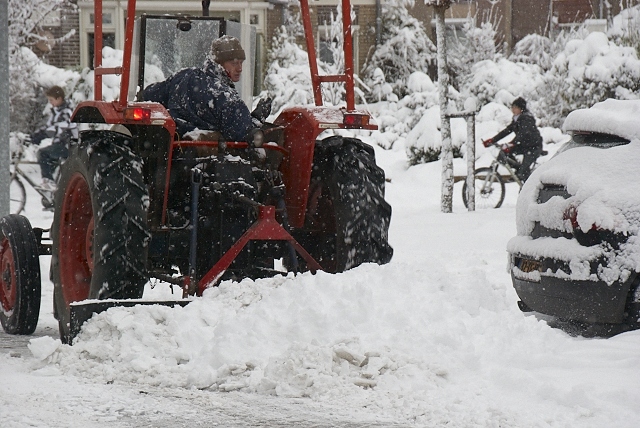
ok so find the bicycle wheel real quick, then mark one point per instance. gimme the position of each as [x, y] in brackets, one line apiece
[489, 189]
[17, 195]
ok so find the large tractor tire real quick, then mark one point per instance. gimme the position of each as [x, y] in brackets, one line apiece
[347, 219]
[19, 276]
[99, 233]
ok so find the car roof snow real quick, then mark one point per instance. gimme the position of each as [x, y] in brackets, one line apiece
[614, 117]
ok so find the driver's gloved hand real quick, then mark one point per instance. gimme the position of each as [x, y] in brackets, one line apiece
[263, 109]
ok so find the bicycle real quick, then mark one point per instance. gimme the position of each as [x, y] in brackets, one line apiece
[17, 190]
[490, 184]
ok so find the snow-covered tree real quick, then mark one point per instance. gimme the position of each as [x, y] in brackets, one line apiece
[405, 48]
[26, 18]
[625, 28]
[534, 49]
[288, 80]
[473, 45]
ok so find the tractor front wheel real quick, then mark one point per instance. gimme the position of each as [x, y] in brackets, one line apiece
[99, 232]
[19, 276]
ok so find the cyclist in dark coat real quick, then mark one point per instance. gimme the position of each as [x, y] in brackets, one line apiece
[206, 98]
[527, 142]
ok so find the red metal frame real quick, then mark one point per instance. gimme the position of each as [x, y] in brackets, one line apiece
[266, 228]
[99, 71]
[302, 126]
[347, 76]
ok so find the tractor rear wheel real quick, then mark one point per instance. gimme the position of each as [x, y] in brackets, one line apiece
[347, 218]
[99, 233]
[19, 276]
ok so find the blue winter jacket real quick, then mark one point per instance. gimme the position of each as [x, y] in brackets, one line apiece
[205, 99]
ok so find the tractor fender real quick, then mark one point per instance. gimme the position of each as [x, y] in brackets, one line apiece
[112, 113]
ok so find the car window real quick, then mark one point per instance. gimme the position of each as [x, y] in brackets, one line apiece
[590, 139]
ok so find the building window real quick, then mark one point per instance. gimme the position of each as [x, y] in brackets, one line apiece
[107, 19]
[108, 39]
[109, 34]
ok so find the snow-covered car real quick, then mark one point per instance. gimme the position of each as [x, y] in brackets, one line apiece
[576, 255]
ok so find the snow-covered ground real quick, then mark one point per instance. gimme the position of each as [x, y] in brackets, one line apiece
[432, 339]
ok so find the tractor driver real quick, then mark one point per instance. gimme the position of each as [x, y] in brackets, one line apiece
[205, 98]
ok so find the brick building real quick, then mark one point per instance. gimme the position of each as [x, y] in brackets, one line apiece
[265, 15]
[514, 19]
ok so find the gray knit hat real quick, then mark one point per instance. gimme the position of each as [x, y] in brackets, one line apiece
[227, 48]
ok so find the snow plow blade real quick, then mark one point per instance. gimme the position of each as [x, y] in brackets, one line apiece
[84, 310]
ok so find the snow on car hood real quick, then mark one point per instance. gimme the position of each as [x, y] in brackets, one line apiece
[614, 117]
[604, 187]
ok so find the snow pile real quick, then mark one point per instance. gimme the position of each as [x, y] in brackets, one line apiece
[414, 349]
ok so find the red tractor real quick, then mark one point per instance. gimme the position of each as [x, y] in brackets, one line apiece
[135, 202]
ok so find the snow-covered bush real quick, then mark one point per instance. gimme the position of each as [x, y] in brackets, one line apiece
[503, 80]
[405, 48]
[397, 120]
[589, 71]
[380, 90]
[534, 49]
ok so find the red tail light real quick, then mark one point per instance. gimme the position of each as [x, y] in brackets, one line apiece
[351, 119]
[571, 214]
[138, 114]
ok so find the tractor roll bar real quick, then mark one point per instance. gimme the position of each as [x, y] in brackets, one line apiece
[316, 79]
[347, 76]
[98, 70]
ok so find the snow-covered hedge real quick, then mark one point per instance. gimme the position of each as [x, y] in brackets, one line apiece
[594, 69]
